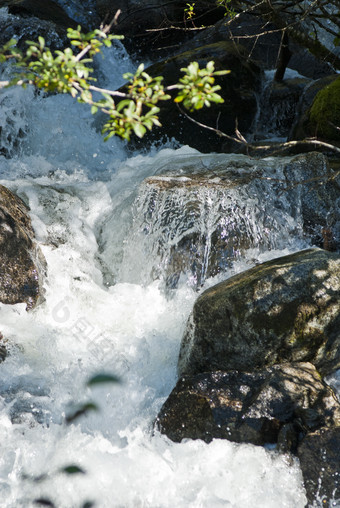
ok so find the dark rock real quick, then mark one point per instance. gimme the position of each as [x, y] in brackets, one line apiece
[275, 405]
[278, 108]
[309, 65]
[158, 28]
[285, 310]
[3, 348]
[30, 28]
[238, 89]
[21, 261]
[263, 49]
[319, 455]
[42, 9]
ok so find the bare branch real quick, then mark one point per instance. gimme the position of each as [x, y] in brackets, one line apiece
[277, 147]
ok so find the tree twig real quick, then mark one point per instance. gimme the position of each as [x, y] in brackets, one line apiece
[277, 146]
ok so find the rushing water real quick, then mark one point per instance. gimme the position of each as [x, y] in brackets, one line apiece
[98, 316]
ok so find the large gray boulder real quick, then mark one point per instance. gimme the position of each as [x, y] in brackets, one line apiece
[22, 264]
[203, 212]
[277, 405]
[284, 310]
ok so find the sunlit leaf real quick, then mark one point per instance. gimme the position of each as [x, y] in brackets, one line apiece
[139, 130]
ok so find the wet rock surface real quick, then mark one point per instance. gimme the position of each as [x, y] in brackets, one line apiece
[278, 405]
[319, 455]
[287, 309]
[198, 217]
[278, 111]
[30, 28]
[21, 261]
[42, 9]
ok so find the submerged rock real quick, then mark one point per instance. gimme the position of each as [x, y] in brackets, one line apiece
[284, 310]
[21, 261]
[277, 405]
[319, 455]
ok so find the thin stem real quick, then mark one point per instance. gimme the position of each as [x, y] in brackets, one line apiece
[279, 146]
[114, 93]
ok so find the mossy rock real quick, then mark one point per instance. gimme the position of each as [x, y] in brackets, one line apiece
[301, 127]
[324, 115]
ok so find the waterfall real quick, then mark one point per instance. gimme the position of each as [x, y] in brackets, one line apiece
[106, 310]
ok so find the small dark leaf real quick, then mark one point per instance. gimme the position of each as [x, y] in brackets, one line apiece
[80, 411]
[72, 469]
[103, 378]
[42, 501]
[88, 504]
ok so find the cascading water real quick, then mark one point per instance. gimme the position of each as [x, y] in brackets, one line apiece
[98, 317]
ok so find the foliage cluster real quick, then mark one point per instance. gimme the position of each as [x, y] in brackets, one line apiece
[71, 71]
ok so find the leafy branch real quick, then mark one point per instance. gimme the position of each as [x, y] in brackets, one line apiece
[70, 71]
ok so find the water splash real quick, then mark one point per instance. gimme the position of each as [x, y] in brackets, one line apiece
[196, 222]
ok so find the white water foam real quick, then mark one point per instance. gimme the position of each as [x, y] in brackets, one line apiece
[133, 331]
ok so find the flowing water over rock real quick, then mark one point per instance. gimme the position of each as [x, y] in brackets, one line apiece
[104, 312]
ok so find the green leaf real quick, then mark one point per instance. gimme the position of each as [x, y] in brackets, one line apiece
[123, 104]
[41, 42]
[94, 110]
[103, 378]
[139, 130]
[72, 469]
[221, 73]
